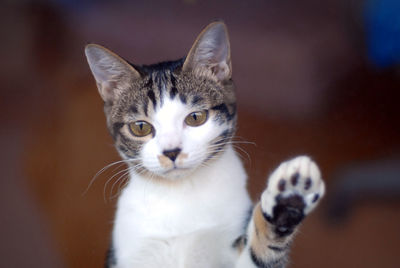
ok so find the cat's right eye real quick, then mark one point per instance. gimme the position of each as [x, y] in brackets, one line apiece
[140, 128]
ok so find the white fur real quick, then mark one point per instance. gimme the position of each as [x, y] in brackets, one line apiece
[153, 215]
[192, 218]
[172, 132]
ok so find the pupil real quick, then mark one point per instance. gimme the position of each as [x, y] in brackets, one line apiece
[195, 117]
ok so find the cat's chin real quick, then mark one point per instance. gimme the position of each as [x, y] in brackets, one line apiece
[173, 174]
[177, 173]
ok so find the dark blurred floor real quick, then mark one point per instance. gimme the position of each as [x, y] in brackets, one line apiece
[304, 87]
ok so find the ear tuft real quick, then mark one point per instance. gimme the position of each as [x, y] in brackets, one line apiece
[109, 70]
[211, 52]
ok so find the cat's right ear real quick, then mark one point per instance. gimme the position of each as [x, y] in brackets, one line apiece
[110, 71]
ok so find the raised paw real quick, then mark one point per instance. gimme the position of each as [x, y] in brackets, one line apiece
[294, 189]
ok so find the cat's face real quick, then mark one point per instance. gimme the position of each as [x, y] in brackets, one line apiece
[169, 119]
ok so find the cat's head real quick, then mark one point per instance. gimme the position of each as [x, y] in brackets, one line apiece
[170, 118]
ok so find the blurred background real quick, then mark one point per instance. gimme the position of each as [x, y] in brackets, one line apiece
[313, 77]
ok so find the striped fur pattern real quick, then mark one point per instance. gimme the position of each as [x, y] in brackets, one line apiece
[166, 82]
[186, 203]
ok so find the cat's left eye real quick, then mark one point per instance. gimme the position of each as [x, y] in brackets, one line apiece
[196, 118]
[140, 128]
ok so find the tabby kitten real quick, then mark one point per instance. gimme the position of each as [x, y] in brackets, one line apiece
[186, 203]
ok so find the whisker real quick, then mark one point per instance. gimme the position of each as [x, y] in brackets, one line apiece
[235, 137]
[243, 151]
[122, 177]
[230, 140]
[127, 170]
[101, 171]
[122, 184]
[110, 179]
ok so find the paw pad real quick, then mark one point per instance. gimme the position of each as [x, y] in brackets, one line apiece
[294, 189]
[295, 178]
[281, 185]
[308, 184]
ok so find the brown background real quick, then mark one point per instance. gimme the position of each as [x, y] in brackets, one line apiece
[304, 86]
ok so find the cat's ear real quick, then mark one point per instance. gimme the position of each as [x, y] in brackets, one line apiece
[211, 52]
[110, 71]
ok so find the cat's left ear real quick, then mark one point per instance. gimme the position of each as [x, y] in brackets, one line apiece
[211, 52]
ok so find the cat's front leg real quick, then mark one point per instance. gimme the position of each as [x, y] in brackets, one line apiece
[294, 190]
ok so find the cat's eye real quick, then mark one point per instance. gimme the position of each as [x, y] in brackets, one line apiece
[140, 128]
[196, 118]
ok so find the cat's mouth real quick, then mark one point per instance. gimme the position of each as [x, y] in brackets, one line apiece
[176, 169]
[176, 172]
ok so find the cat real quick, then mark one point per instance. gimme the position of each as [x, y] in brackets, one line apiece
[186, 203]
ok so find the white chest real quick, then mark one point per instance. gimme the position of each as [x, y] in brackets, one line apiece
[213, 199]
